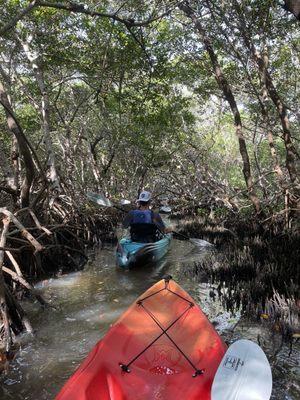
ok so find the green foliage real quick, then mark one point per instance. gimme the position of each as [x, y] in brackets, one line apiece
[145, 96]
[202, 212]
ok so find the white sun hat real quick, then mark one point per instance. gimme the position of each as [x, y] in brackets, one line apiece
[144, 196]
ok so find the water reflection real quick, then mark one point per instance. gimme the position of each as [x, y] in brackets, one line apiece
[88, 302]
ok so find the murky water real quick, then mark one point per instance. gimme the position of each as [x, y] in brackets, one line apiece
[88, 302]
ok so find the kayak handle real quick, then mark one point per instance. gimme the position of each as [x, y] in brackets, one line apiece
[198, 372]
[124, 368]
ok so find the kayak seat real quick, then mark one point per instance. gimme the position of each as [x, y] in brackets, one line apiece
[144, 233]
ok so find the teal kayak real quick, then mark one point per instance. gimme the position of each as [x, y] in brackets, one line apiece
[134, 254]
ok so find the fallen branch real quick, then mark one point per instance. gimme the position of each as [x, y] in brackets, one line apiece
[13, 249]
[14, 263]
[35, 219]
[280, 213]
[67, 248]
[24, 232]
[20, 312]
[23, 282]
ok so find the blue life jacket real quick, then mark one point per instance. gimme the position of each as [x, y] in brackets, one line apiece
[142, 217]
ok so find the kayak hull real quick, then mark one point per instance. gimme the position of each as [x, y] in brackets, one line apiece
[133, 254]
[162, 348]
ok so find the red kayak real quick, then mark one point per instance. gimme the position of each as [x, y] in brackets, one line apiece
[162, 348]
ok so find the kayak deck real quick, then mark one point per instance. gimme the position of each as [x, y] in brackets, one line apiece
[132, 254]
[163, 347]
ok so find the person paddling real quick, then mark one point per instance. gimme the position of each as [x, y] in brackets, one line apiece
[145, 225]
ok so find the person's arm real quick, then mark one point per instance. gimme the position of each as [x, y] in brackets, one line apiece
[127, 220]
[159, 222]
[161, 225]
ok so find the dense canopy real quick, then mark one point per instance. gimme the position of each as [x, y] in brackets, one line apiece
[198, 100]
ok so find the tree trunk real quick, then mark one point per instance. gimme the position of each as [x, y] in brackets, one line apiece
[7, 170]
[15, 158]
[261, 98]
[95, 168]
[266, 119]
[291, 154]
[45, 111]
[17, 131]
[262, 63]
[293, 6]
[225, 87]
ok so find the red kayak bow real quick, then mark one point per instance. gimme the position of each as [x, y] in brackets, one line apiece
[162, 348]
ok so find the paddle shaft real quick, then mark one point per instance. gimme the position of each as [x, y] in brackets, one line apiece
[180, 234]
[119, 208]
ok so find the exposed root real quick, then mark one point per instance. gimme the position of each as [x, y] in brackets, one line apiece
[38, 246]
[258, 274]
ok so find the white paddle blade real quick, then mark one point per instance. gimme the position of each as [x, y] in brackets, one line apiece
[243, 374]
[165, 209]
[201, 243]
[99, 199]
[124, 202]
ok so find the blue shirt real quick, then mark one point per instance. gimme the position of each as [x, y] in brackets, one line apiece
[143, 217]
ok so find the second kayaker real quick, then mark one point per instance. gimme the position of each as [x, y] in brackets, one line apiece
[145, 225]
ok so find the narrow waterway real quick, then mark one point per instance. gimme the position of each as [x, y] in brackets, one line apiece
[88, 302]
